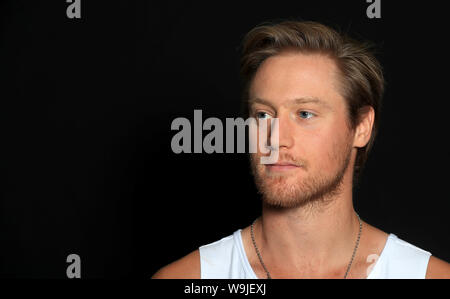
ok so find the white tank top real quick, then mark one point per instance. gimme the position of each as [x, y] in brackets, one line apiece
[226, 259]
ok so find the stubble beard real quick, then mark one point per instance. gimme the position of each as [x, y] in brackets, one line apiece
[284, 191]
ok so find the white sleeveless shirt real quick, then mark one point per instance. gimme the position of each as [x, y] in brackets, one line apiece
[226, 259]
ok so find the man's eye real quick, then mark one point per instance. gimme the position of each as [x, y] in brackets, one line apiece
[262, 115]
[306, 114]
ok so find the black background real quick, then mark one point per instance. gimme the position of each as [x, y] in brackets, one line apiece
[86, 108]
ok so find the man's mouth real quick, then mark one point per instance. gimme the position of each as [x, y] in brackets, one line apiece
[282, 166]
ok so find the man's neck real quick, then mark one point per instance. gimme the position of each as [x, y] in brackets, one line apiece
[316, 237]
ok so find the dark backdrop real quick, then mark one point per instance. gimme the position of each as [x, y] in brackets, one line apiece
[86, 108]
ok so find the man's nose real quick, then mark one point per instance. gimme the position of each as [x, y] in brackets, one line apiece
[281, 133]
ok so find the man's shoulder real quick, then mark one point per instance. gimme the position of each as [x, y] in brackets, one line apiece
[187, 267]
[438, 268]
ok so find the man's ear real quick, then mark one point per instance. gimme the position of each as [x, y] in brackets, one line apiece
[364, 128]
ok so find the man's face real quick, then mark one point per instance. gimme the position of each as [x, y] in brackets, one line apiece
[315, 141]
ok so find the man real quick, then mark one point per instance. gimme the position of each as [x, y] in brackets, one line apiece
[325, 89]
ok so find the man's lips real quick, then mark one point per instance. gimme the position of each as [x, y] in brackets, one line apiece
[282, 166]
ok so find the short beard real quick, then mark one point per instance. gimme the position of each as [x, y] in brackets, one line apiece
[310, 192]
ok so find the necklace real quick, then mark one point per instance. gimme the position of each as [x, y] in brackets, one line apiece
[267, 271]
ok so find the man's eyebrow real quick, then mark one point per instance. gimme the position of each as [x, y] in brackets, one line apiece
[260, 101]
[297, 101]
[311, 100]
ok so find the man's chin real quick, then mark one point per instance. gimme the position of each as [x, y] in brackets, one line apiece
[282, 202]
[281, 181]
[282, 195]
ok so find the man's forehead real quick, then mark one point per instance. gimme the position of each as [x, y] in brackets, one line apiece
[296, 78]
